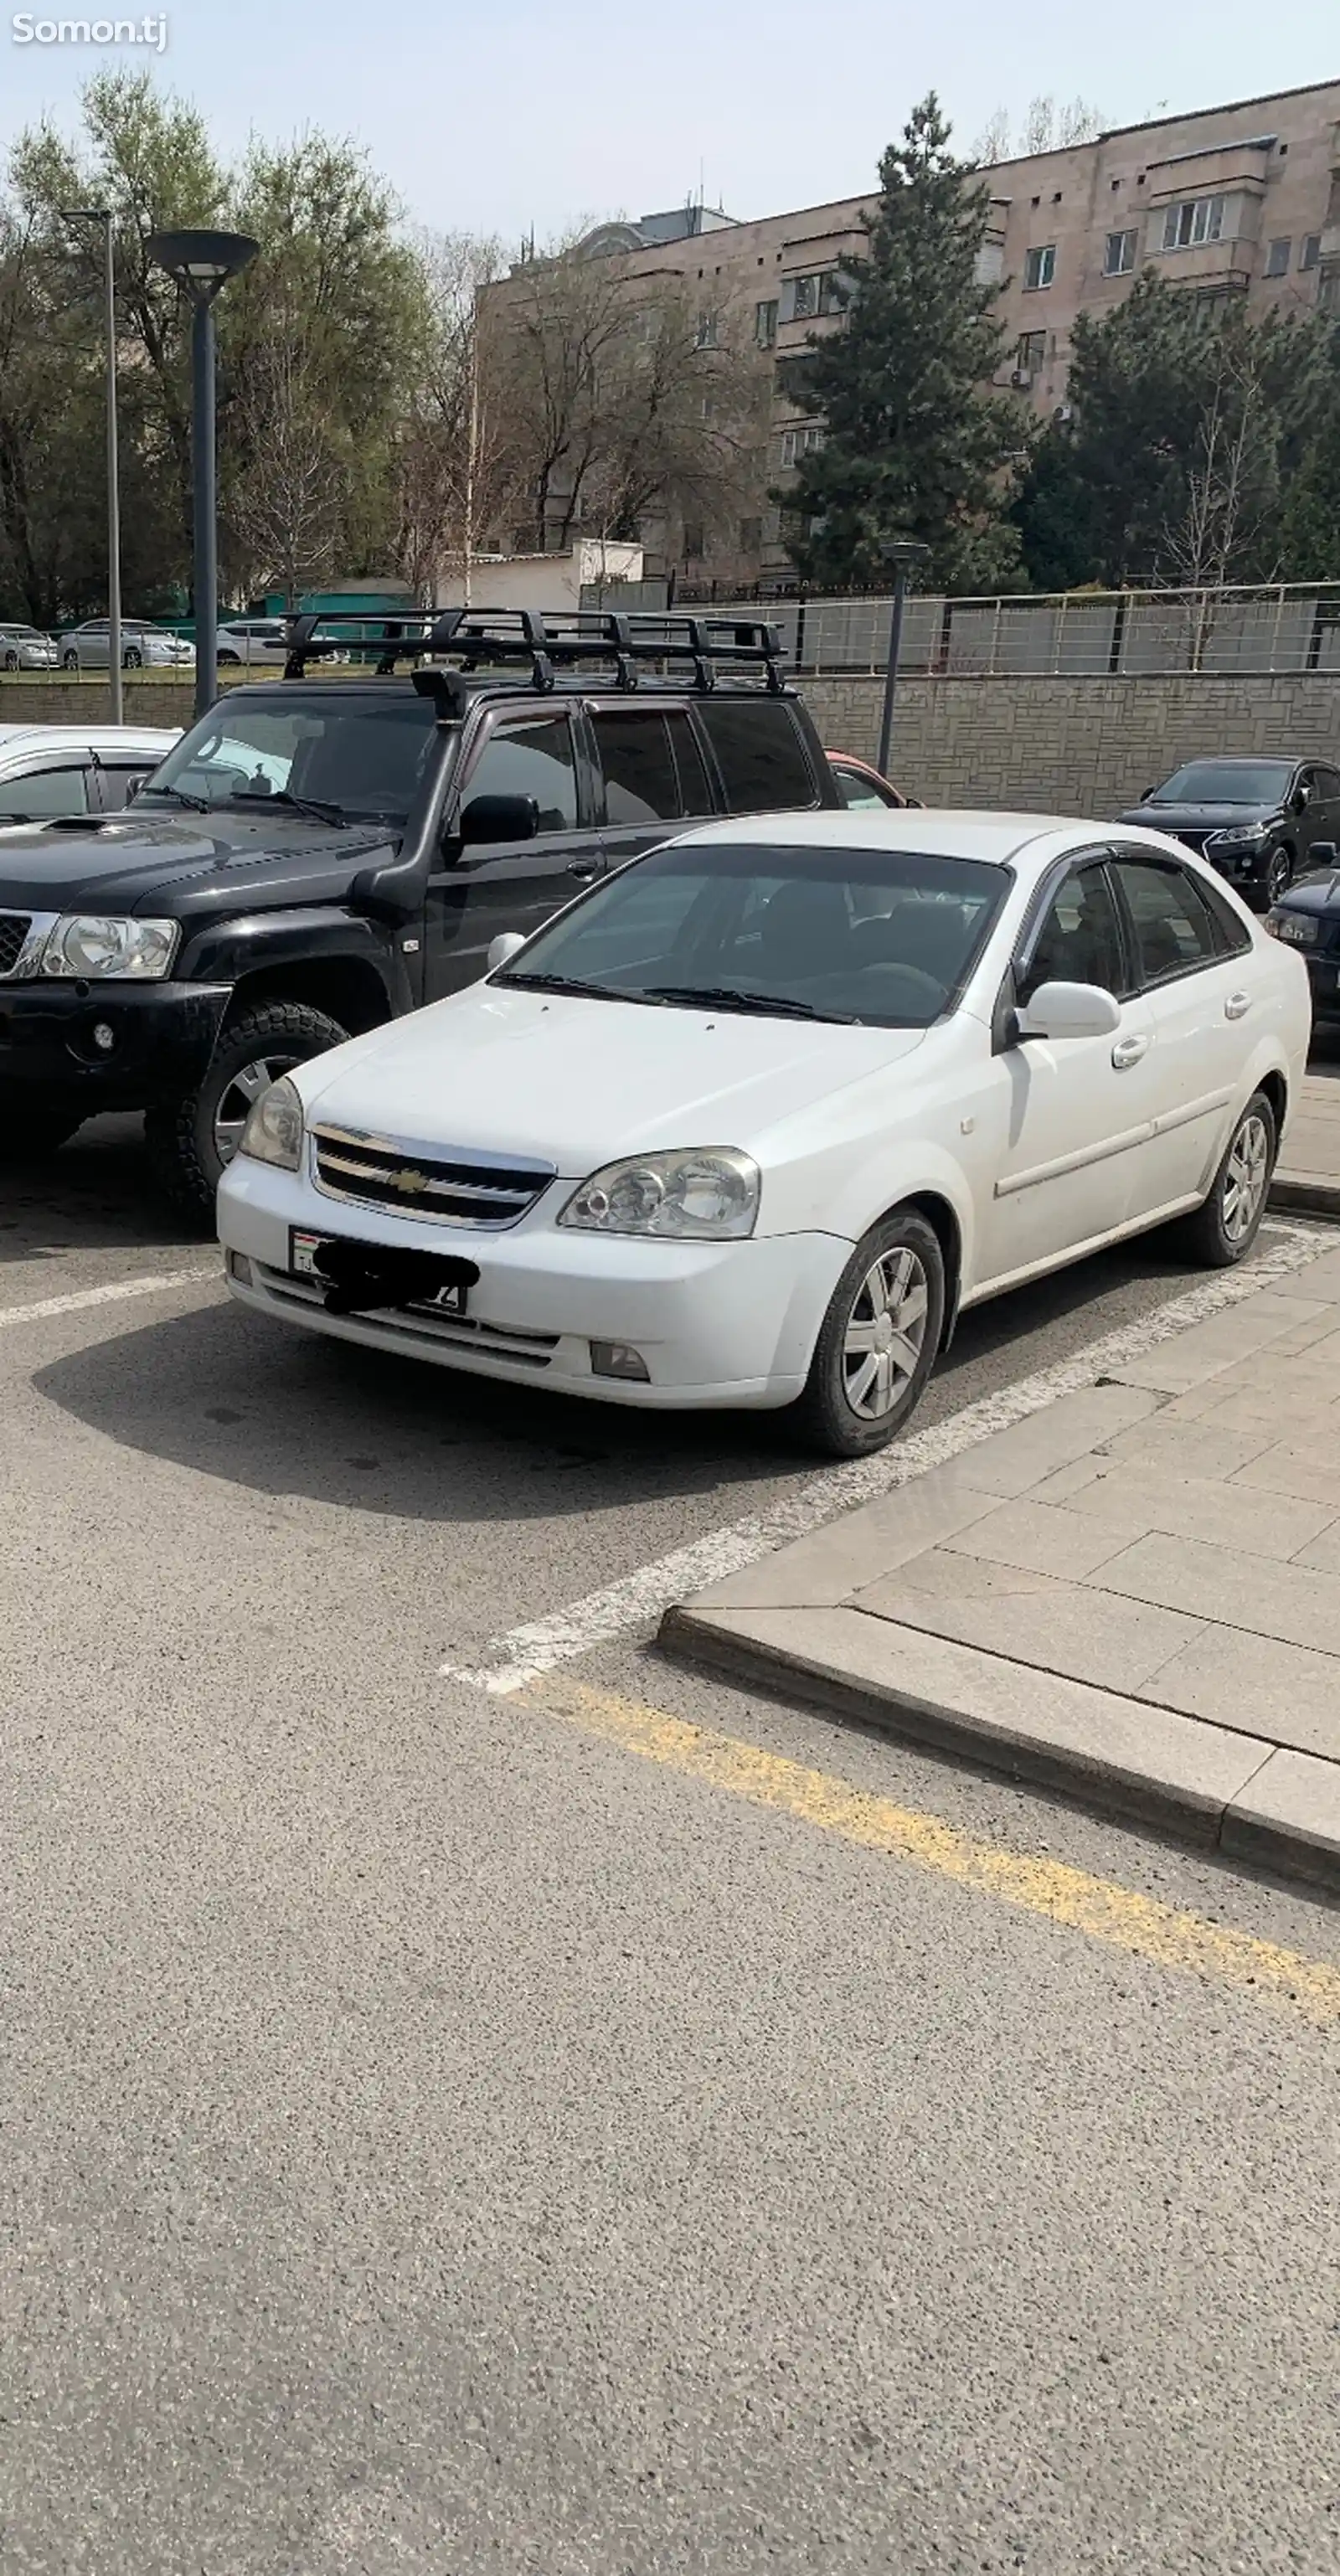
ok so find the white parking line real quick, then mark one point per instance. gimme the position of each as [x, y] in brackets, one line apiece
[112, 1295]
[638, 1600]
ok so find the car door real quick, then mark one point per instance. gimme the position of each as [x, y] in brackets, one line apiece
[1328, 810]
[652, 777]
[47, 791]
[479, 889]
[1200, 995]
[1072, 1118]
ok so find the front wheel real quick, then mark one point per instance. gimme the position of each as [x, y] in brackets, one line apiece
[1278, 874]
[193, 1138]
[132, 658]
[877, 1342]
[11, 661]
[1225, 1225]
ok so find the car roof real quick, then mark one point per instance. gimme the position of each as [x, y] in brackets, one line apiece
[1245, 759]
[93, 737]
[945, 832]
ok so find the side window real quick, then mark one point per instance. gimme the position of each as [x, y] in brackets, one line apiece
[1232, 936]
[858, 794]
[1174, 928]
[534, 758]
[44, 793]
[1079, 941]
[641, 784]
[695, 794]
[117, 783]
[1328, 787]
[760, 753]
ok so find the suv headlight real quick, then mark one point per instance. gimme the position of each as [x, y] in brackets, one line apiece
[709, 1195]
[1237, 836]
[99, 944]
[274, 1129]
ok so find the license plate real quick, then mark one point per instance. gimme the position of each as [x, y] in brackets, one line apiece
[304, 1249]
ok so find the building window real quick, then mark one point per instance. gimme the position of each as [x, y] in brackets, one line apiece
[1030, 352]
[800, 299]
[765, 324]
[1119, 255]
[693, 541]
[751, 536]
[705, 337]
[1277, 258]
[1039, 267]
[1328, 290]
[1197, 219]
[834, 292]
[796, 443]
[1309, 255]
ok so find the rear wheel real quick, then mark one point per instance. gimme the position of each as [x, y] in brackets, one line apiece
[193, 1138]
[132, 658]
[1224, 1228]
[878, 1340]
[69, 661]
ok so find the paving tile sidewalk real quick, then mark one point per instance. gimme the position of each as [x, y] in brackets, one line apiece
[1308, 1174]
[1133, 1594]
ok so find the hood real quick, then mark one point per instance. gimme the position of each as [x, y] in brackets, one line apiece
[577, 1083]
[1319, 893]
[178, 863]
[1200, 818]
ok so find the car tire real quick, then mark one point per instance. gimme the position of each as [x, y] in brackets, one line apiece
[69, 661]
[11, 661]
[132, 659]
[1225, 1226]
[895, 1279]
[1277, 874]
[192, 1138]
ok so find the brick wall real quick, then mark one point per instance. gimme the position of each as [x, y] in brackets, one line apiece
[1073, 746]
[1048, 746]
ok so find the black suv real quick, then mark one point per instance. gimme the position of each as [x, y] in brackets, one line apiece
[318, 855]
[1255, 819]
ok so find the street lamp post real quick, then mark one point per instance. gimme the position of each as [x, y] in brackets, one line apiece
[202, 263]
[103, 215]
[904, 554]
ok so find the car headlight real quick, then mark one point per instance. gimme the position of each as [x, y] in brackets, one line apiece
[109, 944]
[274, 1129]
[708, 1195]
[1237, 836]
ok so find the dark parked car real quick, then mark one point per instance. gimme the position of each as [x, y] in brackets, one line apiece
[1256, 820]
[316, 856]
[1307, 917]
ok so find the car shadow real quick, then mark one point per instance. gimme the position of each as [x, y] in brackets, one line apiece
[96, 1194]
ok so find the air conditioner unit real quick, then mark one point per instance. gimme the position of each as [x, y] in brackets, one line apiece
[1064, 412]
[1023, 378]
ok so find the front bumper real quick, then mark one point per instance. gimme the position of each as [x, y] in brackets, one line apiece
[162, 1039]
[717, 1324]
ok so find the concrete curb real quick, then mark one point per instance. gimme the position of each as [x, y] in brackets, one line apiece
[1189, 1779]
[1303, 1195]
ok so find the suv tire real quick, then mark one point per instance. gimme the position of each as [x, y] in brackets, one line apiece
[1224, 1227]
[189, 1137]
[892, 1290]
[1277, 875]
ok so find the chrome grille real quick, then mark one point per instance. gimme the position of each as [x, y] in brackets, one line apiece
[451, 1187]
[14, 929]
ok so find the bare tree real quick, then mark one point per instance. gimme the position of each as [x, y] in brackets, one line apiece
[993, 143]
[456, 451]
[1231, 487]
[288, 507]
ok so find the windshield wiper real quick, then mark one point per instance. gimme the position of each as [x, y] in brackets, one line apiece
[198, 804]
[319, 810]
[567, 984]
[730, 997]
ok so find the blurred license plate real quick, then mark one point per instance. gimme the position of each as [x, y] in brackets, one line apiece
[304, 1250]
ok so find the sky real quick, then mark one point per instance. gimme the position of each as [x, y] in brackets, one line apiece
[543, 113]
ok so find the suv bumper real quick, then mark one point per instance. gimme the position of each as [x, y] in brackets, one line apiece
[162, 1038]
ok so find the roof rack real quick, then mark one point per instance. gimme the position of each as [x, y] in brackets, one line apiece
[491, 638]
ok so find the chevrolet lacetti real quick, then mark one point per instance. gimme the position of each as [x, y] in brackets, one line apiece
[753, 1120]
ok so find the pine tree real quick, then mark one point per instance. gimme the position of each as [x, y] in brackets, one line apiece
[917, 445]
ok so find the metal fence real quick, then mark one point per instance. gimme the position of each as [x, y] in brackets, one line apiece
[1283, 627]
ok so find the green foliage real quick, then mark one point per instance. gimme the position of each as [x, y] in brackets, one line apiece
[917, 445]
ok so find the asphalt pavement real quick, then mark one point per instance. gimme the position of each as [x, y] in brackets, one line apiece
[623, 2127]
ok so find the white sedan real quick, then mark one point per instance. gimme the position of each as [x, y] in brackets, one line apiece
[753, 1120]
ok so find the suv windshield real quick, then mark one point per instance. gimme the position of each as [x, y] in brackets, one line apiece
[1225, 782]
[331, 750]
[881, 936]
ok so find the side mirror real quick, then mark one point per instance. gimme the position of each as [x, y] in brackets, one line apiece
[500, 818]
[1069, 1011]
[504, 946]
[1148, 794]
[1302, 799]
[1323, 854]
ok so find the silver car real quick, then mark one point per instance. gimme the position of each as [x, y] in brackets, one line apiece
[26, 648]
[62, 770]
[261, 642]
[88, 647]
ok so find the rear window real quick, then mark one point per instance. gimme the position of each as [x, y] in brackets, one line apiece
[761, 753]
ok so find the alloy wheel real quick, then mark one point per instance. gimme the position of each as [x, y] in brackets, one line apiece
[1279, 873]
[881, 1347]
[1246, 1175]
[235, 1100]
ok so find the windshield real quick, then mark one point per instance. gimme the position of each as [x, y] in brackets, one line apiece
[1225, 782]
[365, 761]
[880, 936]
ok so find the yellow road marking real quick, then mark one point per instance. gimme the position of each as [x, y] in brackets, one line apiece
[1096, 1906]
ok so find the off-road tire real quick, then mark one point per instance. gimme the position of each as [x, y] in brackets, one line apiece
[180, 1132]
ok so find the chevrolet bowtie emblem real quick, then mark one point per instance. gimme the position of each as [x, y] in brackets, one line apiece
[412, 1183]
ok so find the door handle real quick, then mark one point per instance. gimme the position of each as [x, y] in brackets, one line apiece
[1128, 1051]
[583, 870]
[1237, 1006]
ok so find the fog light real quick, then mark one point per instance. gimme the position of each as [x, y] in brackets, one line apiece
[104, 1036]
[239, 1268]
[615, 1359]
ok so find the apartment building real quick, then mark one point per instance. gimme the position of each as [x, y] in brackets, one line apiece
[1241, 200]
